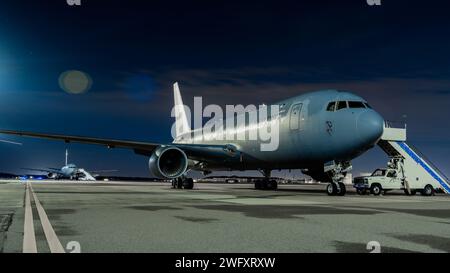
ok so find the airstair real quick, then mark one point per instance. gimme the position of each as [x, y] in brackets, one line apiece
[85, 176]
[416, 170]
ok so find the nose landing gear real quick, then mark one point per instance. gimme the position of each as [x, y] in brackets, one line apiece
[336, 189]
[337, 173]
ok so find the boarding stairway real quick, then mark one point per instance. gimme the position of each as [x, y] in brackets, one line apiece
[416, 169]
[84, 175]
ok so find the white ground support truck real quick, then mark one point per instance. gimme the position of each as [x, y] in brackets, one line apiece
[407, 169]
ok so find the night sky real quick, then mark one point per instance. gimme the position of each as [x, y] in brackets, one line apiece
[397, 56]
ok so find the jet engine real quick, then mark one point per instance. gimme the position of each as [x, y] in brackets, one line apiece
[168, 162]
[51, 175]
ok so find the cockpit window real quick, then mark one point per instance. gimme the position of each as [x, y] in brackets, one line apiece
[341, 105]
[331, 106]
[356, 104]
[367, 105]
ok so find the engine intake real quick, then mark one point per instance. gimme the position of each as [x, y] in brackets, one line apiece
[168, 162]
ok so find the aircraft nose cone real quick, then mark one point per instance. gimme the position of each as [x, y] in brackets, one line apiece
[370, 126]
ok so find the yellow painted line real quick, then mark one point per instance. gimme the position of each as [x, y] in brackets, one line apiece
[29, 238]
[52, 240]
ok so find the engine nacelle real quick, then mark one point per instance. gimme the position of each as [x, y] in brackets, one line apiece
[168, 162]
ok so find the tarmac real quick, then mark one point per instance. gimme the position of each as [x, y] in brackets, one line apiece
[72, 216]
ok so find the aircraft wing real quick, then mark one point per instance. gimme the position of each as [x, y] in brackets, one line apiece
[103, 171]
[50, 170]
[194, 151]
[110, 143]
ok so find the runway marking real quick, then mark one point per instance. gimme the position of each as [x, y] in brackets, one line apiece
[29, 238]
[52, 240]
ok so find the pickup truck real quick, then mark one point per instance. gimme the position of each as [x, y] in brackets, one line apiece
[380, 180]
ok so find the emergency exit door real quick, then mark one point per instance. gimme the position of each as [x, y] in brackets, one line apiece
[295, 120]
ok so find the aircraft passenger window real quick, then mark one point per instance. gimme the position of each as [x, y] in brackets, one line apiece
[341, 105]
[356, 104]
[331, 106]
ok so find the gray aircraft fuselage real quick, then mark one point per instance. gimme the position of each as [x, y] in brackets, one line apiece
[310, 134]
[69, 170]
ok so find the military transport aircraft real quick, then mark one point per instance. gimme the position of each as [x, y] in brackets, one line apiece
[319, 132]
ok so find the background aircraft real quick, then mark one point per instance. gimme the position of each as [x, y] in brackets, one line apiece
[320, 133]
[70, 171]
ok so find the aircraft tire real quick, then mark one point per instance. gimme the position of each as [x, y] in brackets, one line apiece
[258, 185]
[174, 183]
[332, 189]
[272, 185]
[179, 183]
[188, 183]
[342, 189]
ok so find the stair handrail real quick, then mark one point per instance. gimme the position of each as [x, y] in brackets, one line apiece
[395, 124]
[428, 161]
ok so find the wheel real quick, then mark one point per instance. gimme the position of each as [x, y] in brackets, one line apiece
[332, 189]
[412, 192]
[342, 189]
[258, 185]
[361, 191]
[174, 183]
[272, 185]
[376, 189]
[179, 183]
[188, 183]
[264, 184]
[428, 190]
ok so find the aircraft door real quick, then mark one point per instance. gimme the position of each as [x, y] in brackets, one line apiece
[295, 118]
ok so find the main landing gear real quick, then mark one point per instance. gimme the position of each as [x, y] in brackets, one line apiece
[266, 183]
[336, 189]
[337, 173]
[183, 183]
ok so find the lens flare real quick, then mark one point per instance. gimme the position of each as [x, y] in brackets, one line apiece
[75, 82]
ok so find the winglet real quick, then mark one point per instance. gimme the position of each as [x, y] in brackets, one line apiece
[181, 120]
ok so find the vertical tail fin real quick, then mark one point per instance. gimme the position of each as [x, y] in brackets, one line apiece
[181, 120]
[67, 156]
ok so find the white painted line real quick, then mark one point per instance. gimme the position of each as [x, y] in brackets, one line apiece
[29, 239]
[53, 242]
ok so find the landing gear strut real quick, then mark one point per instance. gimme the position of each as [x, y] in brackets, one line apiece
[183, 182]
[337, 173]
[266, 183]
